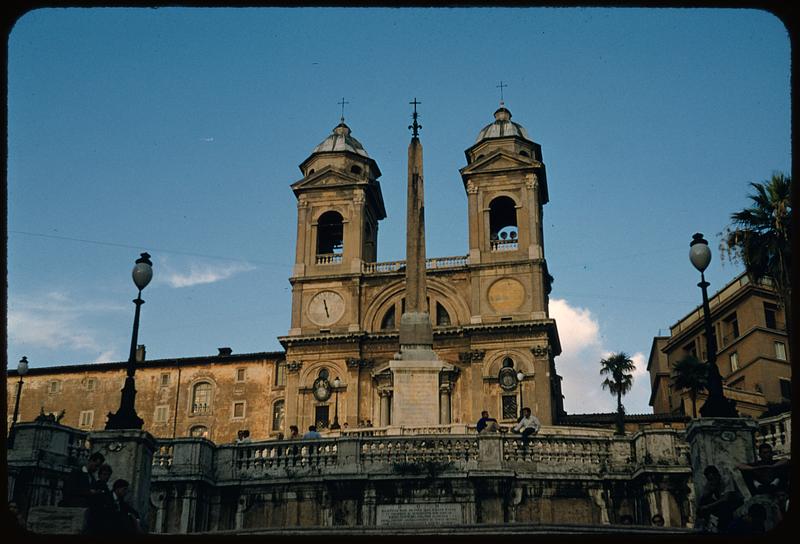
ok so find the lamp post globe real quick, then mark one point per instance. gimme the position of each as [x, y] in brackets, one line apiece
[716, 405]
[336, 384]
[22, 367]
[126, 417]
[520, 377]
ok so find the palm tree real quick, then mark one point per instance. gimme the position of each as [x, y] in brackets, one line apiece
[759, 236]
[618, 368]
[689, 374]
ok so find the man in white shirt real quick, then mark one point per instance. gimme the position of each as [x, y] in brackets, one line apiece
[527, 425]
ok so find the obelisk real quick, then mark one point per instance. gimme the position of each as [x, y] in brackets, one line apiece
[415, 369]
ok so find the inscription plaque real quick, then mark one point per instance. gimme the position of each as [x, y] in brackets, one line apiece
[420, 514]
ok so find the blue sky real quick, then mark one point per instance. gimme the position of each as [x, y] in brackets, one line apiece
[179, 131]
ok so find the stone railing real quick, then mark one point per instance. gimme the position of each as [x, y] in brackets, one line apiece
[430, 264]
[504, 245]
[776, 431]
[329, 258]
[354, 453]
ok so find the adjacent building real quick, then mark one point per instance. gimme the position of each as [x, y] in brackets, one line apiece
[752, 350]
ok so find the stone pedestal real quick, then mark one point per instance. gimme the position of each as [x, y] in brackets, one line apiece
[130, 454]
[415, 395]
[722, 442]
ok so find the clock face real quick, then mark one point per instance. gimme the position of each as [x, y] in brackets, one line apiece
[326, 308]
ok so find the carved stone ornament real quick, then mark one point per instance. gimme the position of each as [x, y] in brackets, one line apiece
[472, 188]
[532, 181]
[473, 356]
[322, 389]
[353, 362]
[294, 366]
[507, 378]
[540, 351]
[116, 446]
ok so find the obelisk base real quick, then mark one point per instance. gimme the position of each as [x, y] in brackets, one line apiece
[415, 395]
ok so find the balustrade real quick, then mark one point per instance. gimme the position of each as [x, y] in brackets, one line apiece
[329, 258]
[777, 432]
[430, 264]
[504, 245]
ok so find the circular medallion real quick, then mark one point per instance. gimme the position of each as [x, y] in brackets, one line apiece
[506, 295]
[728, 436]
[326, 308]
[322, 389]
[507, 378]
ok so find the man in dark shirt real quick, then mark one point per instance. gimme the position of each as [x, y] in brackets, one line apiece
[78, 489]
[716, 507]
[486, 423]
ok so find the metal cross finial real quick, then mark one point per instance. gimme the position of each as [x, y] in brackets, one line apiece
[501, 90]
[415, 126]
[342, 103]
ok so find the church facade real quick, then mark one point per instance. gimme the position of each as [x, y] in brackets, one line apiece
[488, 309]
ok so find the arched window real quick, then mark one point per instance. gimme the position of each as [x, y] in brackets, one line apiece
[503, 224]
[442, 317]
[201, 398]
[330, 234]
[388, 321]
[508, 362]
[200, 431]
[355, 169]
[278, 411]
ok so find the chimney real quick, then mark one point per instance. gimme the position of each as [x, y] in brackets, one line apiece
[140, 353]
[224, 351]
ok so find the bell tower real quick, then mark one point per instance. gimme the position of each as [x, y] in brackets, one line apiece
[506, 187]
[339, 204]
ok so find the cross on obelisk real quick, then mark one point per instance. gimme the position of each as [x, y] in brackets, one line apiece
[501, 91]
[415, 126]
[342, 104]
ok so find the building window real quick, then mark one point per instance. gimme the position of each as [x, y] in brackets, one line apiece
[321, 417]
[442, 317]
[91, 384]
[164, 379]
[330, 234]
[510, 410]
[201, 398]
[278, 411]
[780, 351]
[734, 361]
[54, 386]
[786, 388]
[731, 329]
[770, 315]
[503, 224]
[238, 410]
[161, 414]
[690, 349]
[86, 419]
[388, 321]
[199, 431]
[240, 373]
[280, 373]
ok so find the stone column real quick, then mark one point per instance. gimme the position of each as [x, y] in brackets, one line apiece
[535, 243]
[474, 221]
[292, 393]
[302, 229]
[130, 454]
[722, 442]
[386, 406]
[444, 404]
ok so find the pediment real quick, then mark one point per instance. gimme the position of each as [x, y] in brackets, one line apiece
[327, 177]
[501, 160]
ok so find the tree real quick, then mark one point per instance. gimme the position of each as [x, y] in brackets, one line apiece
[618, 369]
[760, 237]
[689, 374]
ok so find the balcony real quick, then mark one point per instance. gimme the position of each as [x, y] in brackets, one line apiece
[329, 258]
[430, 264]
[201, 409]
[504, 245]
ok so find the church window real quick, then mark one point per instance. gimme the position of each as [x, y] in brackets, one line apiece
[508, 362]
[321, 417]
[330, 234]
[503, 230]
[355, 169]
[280, 373]
[509, 407]
[388, 321]
[201, 398]
[278, 411]
[199, 431]
[442, 317]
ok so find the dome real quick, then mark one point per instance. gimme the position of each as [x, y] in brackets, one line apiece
[340, 140]
[502, 127]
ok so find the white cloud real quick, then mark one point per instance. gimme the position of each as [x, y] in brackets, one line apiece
[579, 364]
[199, 274]
[54, 321]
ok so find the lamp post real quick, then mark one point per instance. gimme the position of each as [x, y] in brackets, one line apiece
[22, 369]
[126, 417]
[336, 383]
[716, 404]
[520, 377]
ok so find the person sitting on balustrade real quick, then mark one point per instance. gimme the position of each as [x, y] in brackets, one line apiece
[528, 425]
[717, 504]
[78, 489]
[486, 424]
[312, 432]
